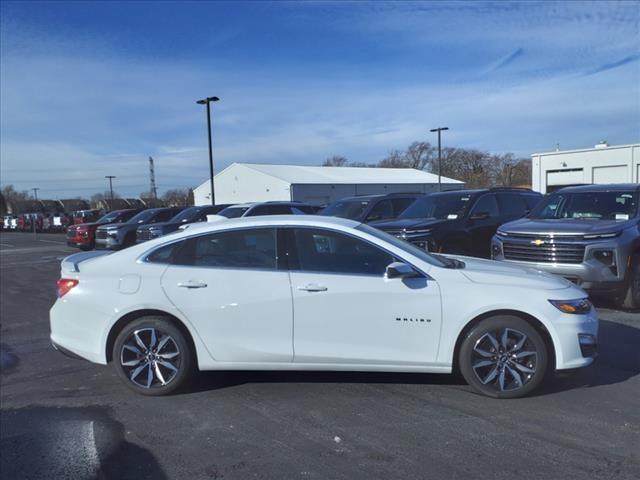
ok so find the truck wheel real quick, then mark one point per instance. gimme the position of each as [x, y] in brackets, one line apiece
[503, 357]
[153, 357]
[631, 297]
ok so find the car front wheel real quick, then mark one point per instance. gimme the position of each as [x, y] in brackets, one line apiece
[153, 357]
[503, 357]
[631, 299]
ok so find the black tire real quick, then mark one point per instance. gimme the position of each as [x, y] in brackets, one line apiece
[631, 298]
[148, 360]
[531, 369]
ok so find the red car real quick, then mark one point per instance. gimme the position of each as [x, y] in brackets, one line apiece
[83, 235]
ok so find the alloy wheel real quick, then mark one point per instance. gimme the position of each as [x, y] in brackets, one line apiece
[150, 358]
[504, 360]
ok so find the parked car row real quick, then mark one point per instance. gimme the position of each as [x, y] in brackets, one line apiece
[39, 222]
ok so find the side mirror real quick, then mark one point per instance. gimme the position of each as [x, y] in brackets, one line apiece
[479, 216]
[400, 270]
[373, 217]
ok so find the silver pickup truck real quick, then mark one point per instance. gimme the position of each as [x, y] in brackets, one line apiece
[588, 234]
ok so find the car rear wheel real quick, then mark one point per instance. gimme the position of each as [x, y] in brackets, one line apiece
[631, 298]
[503, 357]
[153, 357]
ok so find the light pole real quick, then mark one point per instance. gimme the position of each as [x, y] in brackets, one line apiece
[110, 177]
[207, 101]
[439, 129]
[35, 192]
[33, 217]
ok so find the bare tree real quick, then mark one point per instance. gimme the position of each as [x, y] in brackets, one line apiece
[178, 197]
[97, 197]
[395, 159]
[11, 195]
[336, 161]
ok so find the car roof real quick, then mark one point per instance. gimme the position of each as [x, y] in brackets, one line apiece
[611, 187]
[275, 220]
[378, 196]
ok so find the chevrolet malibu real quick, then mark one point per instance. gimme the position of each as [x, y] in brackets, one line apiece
[315, 293]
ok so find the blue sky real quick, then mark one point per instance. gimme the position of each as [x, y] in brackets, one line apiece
[89, 89]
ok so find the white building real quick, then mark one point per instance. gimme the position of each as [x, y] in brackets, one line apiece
[601, 164]
[251, 182]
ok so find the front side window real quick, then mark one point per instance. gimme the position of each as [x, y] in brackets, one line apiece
[512, 204]
[247, 248]
[442, 206]
[486, 205]
[328, 251]
[381, 211]
[233, 212]
[352, 209]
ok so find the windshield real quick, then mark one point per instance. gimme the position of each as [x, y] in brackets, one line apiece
[143, 216]
[233, 212]
[111, 217]
[621, 205]
[441, 206]
[185, 215]
[352, 209]
[438, 261]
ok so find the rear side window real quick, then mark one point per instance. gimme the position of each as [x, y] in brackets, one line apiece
[164, 254]
[247, 248]
[257, 211]
[512, 204]
[327, 251]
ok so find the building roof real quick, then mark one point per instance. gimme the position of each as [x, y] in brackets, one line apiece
[302, 174]
[592, 149]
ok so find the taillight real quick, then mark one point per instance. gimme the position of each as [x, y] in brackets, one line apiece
[65, 285]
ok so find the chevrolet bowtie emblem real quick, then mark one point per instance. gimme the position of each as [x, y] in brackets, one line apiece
[537, 242]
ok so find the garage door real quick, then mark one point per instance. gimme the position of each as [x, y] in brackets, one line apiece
[565, 177]
[611, 174]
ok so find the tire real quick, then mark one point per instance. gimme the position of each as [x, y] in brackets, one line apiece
[506, 375]
[631, 297]
[85, 248]
[146, 370]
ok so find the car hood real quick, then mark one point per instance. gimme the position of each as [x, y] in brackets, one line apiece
[578, 227]
[87, 225]
[408, 223]
[500, 273]
[163, 226]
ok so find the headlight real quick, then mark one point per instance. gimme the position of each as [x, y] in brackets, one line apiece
[577, 307]
[501, 233]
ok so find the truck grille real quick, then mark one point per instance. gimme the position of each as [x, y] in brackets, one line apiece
[101, 234]
[543, 248]
[143, 235]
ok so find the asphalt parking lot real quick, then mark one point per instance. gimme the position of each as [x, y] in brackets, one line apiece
[64, 418]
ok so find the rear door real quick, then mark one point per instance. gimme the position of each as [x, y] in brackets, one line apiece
[230, 288]
[512, 206]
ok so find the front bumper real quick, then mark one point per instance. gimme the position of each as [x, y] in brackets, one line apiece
[110, 242]
[577, 340]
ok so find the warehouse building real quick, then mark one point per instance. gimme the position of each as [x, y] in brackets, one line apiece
[250, 182]
[600, 164]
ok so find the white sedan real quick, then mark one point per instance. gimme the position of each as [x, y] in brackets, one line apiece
[315, 293]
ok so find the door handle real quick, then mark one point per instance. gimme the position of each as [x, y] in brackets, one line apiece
[312, 287]
[192, 284]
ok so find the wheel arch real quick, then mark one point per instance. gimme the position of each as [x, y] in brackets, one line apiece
[123, 321]
[533, 321]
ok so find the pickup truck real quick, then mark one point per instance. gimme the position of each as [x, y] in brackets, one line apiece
[588, 234]
[122, 235]
[83, 235]
[186, 216]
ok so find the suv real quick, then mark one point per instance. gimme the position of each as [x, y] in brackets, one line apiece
[588, 234]
[83, 235]
[268, 208]
[186, 216]
[462, 221]
[369, 208]
[123, 235]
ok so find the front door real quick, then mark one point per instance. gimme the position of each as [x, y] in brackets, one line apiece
[229, 287]
[347, 312]
[483, 222]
